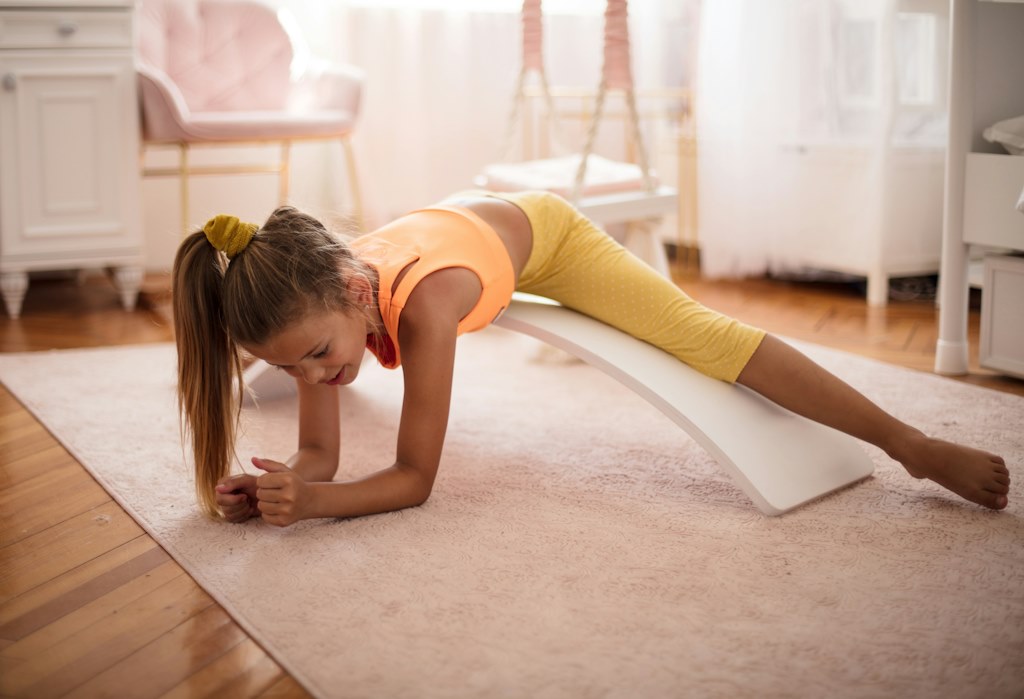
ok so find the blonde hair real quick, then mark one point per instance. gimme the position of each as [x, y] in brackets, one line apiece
[292, 266]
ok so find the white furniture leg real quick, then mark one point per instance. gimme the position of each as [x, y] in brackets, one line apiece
[878, 289]
[13, 285]
[641, 212]
[642, 240]
[128, 281]
[779, 459]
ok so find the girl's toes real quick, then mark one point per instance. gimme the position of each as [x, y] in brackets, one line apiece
[995, 501]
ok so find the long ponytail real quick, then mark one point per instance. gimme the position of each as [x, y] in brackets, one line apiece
[209, 365]
[291, 266]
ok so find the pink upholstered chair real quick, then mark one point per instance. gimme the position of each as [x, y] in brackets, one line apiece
[232, 72]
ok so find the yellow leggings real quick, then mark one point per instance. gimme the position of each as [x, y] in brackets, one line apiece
[577, 264]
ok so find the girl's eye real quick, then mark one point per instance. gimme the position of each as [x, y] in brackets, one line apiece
[322, 353]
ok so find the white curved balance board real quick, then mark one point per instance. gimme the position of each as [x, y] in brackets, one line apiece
[263, 383]
[779, 459]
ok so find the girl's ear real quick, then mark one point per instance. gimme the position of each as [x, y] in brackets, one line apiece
[360, 289]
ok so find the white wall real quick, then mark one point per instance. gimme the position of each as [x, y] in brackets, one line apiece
[317, 185]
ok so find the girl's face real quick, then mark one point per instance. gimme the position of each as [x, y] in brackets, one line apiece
[324, 347]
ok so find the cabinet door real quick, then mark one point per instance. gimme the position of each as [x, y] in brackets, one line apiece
[68, 134]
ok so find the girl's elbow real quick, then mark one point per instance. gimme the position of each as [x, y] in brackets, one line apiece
[321, 463]
[419, 485]
[421, 492]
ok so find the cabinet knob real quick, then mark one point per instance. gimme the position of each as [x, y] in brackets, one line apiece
[9, 82]
[67, 27]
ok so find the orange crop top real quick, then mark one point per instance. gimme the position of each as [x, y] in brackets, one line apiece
[434, 238]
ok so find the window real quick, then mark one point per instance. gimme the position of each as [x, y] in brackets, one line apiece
[916, 58]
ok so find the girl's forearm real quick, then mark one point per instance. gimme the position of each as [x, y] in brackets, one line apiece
[393, 488]
[313, 464]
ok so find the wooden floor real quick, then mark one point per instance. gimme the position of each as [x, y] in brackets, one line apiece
[91, 606]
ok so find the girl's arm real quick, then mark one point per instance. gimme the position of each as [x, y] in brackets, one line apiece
[284, 497]
[428, 359]
[427, 336]
[315, 460]
[319, 433]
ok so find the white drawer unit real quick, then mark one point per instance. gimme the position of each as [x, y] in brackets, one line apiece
[1002, 315]
[65, 28]
[993, 185]
[69, 135]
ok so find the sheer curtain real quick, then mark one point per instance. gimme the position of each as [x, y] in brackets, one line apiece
[440, 78]
[821, 127]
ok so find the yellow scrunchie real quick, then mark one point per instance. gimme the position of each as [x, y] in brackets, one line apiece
[228, 234]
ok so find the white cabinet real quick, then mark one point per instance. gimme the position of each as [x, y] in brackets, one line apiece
[903, 239]
[983, 184]
[1002, 314]
[993, 184]
[69, 184]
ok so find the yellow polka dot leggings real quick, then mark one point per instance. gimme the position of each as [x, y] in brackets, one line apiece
[577, 264]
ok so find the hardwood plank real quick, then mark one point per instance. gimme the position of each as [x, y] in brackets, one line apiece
[170, 659]
[65, 313]
[12, 413]
[51, 497]
[285, 688]
[57, 598]
[9, 405]
[244, 671]
[40, 454]
[83, 655]
[36, 559]
[21, 435]
[88, 619]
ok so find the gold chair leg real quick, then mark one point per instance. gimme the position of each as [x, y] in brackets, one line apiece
[353, 183]
[183, 169]
[284, 174]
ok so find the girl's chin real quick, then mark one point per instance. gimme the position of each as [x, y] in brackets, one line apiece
[343, 377]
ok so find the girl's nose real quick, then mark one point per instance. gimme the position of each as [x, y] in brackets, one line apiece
[310, 374]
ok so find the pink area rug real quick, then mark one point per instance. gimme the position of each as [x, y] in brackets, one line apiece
[577, 543]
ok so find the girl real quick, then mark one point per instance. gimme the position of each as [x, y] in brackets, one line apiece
[294, 295]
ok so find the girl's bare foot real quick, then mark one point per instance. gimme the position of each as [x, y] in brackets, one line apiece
[973, 474]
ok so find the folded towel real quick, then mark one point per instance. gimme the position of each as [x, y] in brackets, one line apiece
[1009, 133]
[558, 175]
